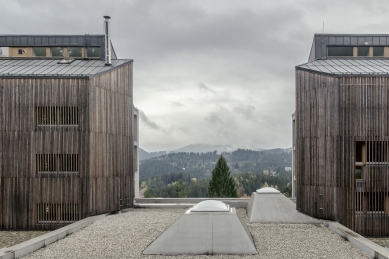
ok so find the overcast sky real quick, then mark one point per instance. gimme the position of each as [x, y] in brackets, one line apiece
[211, 71]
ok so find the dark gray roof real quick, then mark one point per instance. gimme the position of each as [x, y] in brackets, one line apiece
[40, 68]
[321, 41]
[51, 40]
[344, 67]
[85, 40]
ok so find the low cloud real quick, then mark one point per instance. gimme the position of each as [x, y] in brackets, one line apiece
[176, 104]
[246, 110]
[205, 88]
[214, 119]
[147, 121]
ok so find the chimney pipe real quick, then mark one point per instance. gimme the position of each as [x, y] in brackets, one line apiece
[107, 41]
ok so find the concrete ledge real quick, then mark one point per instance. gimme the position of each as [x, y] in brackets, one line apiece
[36, 243]
[365, 245]
[185, 202]
[163, 205]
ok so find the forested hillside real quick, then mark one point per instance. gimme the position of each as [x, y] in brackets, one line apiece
[251, 170]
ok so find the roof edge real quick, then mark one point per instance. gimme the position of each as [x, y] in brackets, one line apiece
[340, 75]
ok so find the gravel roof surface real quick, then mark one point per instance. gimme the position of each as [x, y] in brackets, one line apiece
[126, 235]
[10, 237]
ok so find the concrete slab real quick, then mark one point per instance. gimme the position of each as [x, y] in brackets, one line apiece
[275, 208]
[204, 233]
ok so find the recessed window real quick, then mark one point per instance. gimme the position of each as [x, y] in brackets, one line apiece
[378, 51]
[75, 52]
[363, 51]
[340, 51]
[93, 52]
[56, 116]
[56, 51]
[54, 213]
[358, 173]
[20, 51]
[376, 152]
[39, 51]
[56, 164]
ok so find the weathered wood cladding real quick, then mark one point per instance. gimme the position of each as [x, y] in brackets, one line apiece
[111, 141]
[332, 115]
[101, 141]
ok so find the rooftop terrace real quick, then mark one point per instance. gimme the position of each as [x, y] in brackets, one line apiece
[127, 234]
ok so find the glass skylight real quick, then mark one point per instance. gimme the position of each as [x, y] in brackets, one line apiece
[268, 190]
[210, 205]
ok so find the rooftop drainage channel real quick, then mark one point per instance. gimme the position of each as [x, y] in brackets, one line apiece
[363, 244]
[36, 243]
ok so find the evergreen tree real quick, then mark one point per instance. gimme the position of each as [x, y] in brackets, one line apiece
[148, 193]
[222, 184]
[180, 190]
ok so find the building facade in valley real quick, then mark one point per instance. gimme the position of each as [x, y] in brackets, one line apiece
[66, 129]
[341, 132]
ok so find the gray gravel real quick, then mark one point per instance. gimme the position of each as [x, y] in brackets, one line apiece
[126, 235]
[10, 238]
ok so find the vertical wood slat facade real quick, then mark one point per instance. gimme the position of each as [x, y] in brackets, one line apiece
[335, 118]
[100, 147]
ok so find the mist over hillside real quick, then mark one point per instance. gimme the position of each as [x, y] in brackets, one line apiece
[201, 148]
[251, 170]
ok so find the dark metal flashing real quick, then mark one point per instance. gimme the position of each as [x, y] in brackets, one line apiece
[51, 40]
[322, 40]
[351, 35]
[63, 40]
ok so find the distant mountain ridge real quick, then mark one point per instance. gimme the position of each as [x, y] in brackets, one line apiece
[204, 148]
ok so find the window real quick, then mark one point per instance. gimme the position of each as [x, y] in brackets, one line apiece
[340, 51]
[56, 116]
[56, 51]
[93, 52]
[363, 51]
[56, 164]
[371, 152]
[358, 173]
[378, 51]
[55, 213]
[39, 51]
[20, 51]
[376, 151]
[75, 52]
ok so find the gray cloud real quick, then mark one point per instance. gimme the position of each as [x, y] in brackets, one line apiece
[246, 110]
[205, 88]
[214, 119]
[176, 104]
[147, 121]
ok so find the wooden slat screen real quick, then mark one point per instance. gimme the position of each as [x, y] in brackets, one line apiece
[57, 164]
[53, 213]
[56, 116]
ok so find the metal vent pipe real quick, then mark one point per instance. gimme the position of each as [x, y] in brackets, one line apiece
[107, 41]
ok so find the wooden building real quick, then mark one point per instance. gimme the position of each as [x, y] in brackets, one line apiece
[341, 132]
[66, 130]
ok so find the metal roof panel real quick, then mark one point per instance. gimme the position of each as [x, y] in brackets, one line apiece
[348, 66]
[50, 67]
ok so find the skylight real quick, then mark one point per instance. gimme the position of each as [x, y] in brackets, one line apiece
[268, 190]
[210, 206]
